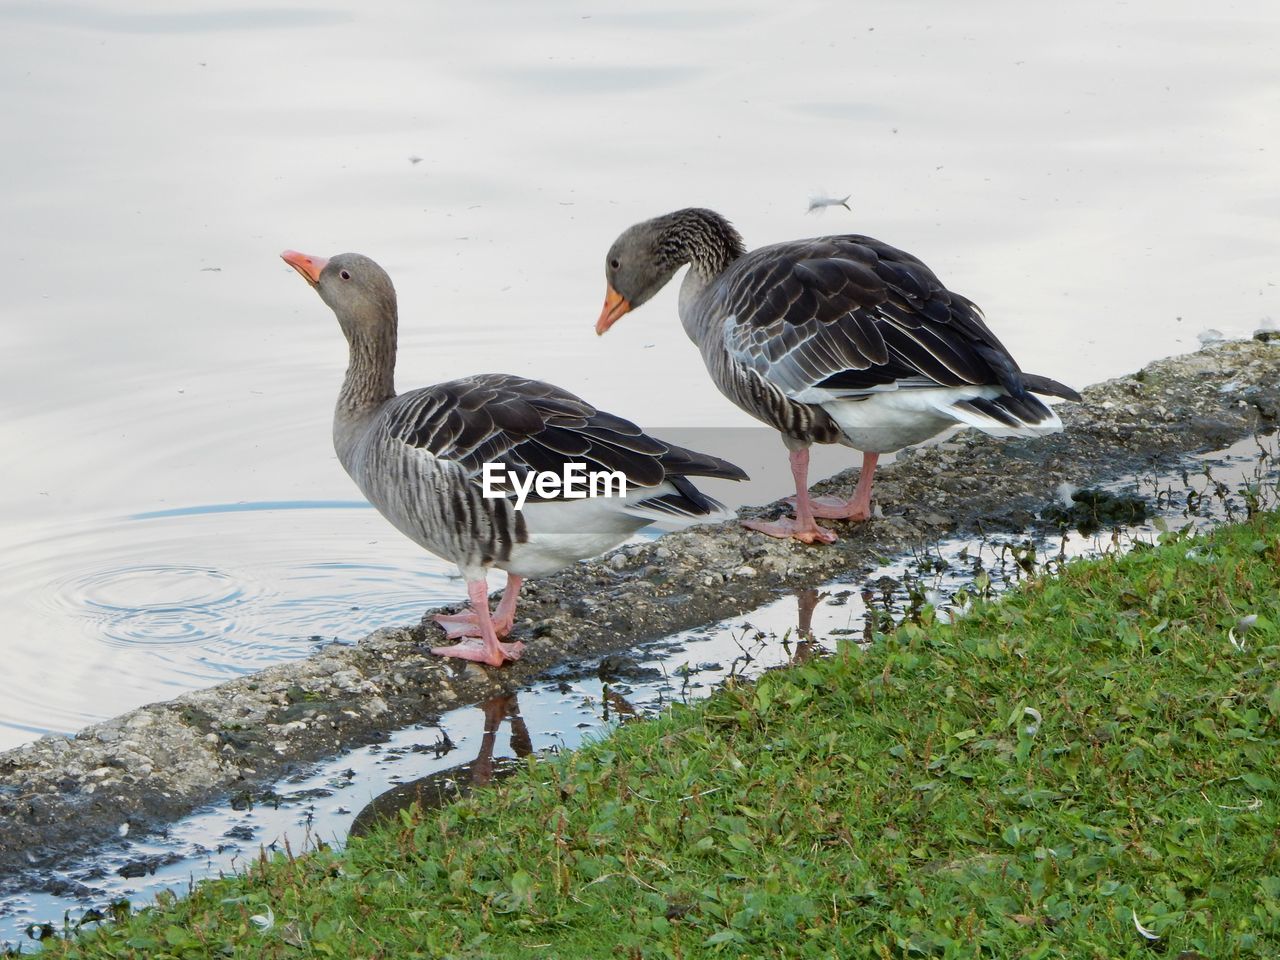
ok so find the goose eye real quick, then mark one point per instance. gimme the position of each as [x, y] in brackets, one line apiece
[613, 264]
[344, 275]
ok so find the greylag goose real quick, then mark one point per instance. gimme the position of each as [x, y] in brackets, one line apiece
[420, 458]
[839, 339]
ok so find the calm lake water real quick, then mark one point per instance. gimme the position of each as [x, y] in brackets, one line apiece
[1099, 176]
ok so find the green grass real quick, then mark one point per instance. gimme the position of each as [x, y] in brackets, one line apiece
[892, 803]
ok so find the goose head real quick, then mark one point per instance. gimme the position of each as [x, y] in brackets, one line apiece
[357, 290]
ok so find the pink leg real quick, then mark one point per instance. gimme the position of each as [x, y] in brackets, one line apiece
[802, 526]
[506, 616]
[486, 648]
[466, 623]
[857, 507]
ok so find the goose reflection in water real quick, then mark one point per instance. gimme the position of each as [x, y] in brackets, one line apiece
[445, 786]
[806, 644]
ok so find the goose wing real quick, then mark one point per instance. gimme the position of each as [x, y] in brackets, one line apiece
[848, 315]
[531, 426]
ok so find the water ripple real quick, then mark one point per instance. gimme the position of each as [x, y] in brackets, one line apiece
[171, 625]
[152, 587]
[189, 597]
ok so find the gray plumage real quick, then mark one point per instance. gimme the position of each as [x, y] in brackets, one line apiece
[789, 330]
[418, 456]
[839, 339]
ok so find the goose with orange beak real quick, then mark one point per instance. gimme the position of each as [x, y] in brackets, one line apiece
[424, 460]
[839, 339]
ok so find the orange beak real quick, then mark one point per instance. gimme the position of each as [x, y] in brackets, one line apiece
[615, 305]
[308, 266]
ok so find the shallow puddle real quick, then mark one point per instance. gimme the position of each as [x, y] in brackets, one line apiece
[436, 762]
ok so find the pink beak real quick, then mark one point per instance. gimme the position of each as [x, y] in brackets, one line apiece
[310, 267]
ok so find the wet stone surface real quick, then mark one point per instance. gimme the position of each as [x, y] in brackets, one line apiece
[1092, 509]
[60, 796]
